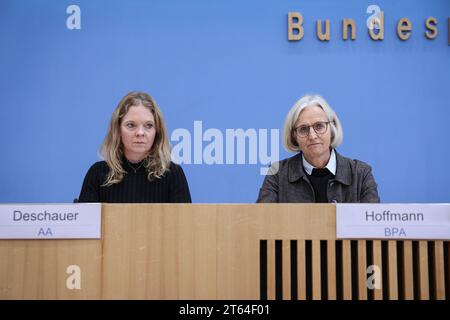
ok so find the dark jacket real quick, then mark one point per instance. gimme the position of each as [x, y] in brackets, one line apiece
[353, 183]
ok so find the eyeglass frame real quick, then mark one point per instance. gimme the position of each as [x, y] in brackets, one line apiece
[312, 126]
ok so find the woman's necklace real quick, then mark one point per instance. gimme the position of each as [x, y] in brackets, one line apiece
[135, 169]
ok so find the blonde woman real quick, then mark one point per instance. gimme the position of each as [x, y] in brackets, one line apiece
[137, 166]
[317, 173]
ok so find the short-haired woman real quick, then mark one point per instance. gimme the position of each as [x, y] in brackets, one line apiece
[317, 173]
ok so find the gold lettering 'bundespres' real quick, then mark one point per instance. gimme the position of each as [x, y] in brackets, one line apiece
[375, 28]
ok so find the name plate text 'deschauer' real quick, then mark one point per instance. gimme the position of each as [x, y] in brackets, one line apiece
[50, 221]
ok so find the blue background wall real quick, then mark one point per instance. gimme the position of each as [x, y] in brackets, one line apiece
[230, 65]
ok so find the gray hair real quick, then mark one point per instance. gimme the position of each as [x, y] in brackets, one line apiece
[310, 101]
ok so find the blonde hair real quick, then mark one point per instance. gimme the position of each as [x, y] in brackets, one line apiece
[158, 159]
[306, 101]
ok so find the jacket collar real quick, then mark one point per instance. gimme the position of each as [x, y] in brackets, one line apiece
[343, 169]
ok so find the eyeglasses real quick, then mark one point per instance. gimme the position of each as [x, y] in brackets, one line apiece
[319, 128]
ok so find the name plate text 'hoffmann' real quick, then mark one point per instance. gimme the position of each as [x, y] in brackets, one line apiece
[393, 221]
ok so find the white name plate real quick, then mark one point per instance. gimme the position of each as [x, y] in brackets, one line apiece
[50, 221]
[393, 221]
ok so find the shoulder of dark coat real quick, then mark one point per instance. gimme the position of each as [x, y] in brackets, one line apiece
[285, 162]
[358, 165]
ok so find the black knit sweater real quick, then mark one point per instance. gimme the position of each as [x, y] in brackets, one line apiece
[319, 180]
[135, 186]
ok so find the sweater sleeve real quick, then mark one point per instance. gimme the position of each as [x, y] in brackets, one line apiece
[90, 189]
[178, 185]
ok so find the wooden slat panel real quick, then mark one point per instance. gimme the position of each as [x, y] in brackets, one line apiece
[197, 251]
[346, 270]
[439, 269]
[164, 251]
[447, 244]
[301, 270]
[331, 266]
[392, 263]
[190, 252]
[408, 275]
[423, 270]
[14, 257]
[316, 270]
[87, 254]
[240, 227]
[36, 269]
[160, 252]
[271, 269]
[377, 261]
[362, 270]
[238, 249]
[286, 269]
